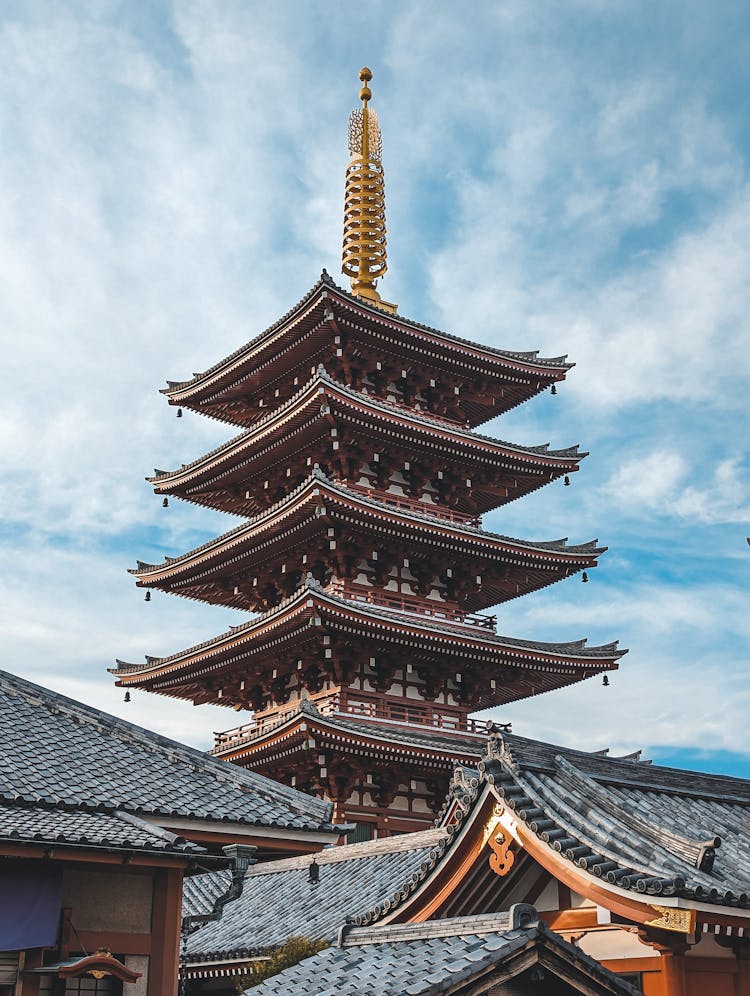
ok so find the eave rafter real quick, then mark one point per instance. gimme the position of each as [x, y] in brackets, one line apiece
[247, 651]
[328, 325]
[349, 433]
[272, 552]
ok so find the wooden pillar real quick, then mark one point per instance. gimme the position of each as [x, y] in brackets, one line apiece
[28, 985]
[166, 917]
[673, 971]
[671, 948]
[742, 953]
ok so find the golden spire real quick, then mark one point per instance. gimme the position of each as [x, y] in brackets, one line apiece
[364, 255]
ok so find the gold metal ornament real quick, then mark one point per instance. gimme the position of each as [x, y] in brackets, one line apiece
[673, 918]
[500, 841]
[364, 257]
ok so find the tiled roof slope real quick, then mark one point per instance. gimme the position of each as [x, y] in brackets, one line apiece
[309, 393]
[272, 515]
[279, 901]
[396, 733]
[578, 649]
[55, 825]
[245, 352]
[652, 830]
[59, 752]
[442, 956]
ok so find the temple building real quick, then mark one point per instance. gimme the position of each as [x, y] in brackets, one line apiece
[640, 867]
[361, 481]
[102, 824]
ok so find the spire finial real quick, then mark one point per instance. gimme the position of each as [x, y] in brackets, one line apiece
[364, 254]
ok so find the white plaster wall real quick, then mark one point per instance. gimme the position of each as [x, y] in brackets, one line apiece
[708, 948]
[137, 963]
[613, 942]
[549, 899]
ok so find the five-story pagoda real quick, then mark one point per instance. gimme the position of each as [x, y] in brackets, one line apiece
[361, 483]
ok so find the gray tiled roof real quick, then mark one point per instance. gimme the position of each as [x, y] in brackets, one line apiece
[653, 830]
[278, 900]
[60, 753]
[54, 825]
[426, 959]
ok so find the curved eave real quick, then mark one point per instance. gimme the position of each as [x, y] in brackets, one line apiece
[240, 364]
[240, 449]
[422, 898]
[477, 807]
[563, 663]
[381, 742]
[306, 500]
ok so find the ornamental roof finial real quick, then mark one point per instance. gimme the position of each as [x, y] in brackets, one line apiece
[364, 253]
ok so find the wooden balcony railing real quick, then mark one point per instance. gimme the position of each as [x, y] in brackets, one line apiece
[415, 505]
[423, 715]
[415, 604]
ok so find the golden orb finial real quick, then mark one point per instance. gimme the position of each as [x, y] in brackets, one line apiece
[364, 254]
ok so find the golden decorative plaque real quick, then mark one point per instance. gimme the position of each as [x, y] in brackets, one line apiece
[674, 918]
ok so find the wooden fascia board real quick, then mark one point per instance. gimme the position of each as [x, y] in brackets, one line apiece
[193, 828]
[91, 854]
[460, 855]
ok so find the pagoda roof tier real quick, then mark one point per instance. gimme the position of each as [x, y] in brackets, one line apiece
[267, 557]
[257, 743]
[277, 642]
[342, 429]
[332, 326]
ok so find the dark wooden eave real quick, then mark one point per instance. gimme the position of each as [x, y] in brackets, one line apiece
[327, 315]
[350, 733]
[300, 432]
[300, 525]
[526, 667]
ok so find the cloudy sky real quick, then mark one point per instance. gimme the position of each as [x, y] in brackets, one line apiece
[571, 177]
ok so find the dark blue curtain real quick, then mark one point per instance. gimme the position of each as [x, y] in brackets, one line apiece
[29, 907]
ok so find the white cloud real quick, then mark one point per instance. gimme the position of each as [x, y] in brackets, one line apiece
[645, 483]
[172, 183]
[661, 482]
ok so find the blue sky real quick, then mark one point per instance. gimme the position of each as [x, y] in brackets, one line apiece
[569, 177]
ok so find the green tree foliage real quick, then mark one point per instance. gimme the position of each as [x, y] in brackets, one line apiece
[293, 950]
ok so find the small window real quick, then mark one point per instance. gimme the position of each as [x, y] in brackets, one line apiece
[87, 985]
[361, 833]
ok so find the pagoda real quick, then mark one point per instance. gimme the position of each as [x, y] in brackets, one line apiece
[361, 482]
